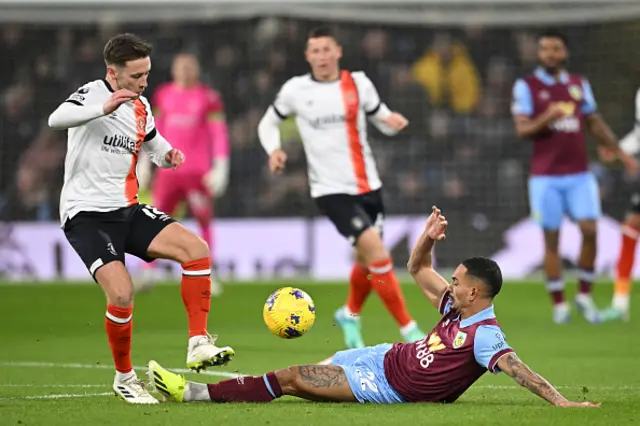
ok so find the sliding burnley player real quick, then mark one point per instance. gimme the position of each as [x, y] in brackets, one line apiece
[466, 343]
[553, 108]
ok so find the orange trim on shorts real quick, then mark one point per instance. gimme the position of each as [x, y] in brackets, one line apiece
[352, 108]
[131, 185]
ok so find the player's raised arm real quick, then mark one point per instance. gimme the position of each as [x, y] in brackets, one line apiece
[386, 121]
[269, 127]
[511, 365]
[420, 264]
[522, 110]
[82, 107]
[601, 130]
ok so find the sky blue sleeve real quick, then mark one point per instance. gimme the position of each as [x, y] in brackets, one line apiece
[522, 102]
[589, 105]
[489, 345]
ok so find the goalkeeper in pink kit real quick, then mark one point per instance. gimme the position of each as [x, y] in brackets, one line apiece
[191, 115]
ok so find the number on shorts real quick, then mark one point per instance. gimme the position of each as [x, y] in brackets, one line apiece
[366, 382]
[152, 212]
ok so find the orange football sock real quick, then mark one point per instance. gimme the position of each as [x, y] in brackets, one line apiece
[626, 260]
[195, 289]
[385, 283]
[119, 325]
[359, 288]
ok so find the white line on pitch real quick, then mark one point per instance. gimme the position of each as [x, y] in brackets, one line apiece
[106, 367]
[234, 375]
[35, 385]
[57, 396]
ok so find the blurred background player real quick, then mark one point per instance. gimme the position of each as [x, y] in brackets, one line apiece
[552, 108]
[630, 231]
[331, 108]
[191, 115]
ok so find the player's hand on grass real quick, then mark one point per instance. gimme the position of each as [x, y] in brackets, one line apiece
[396, 121]
[554, 112]
[571, 404]
[436, 225]
[118, 98]
[277, 161]
[175, 157]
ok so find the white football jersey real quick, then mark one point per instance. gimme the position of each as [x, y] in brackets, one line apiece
[102, 154]
[332, 122]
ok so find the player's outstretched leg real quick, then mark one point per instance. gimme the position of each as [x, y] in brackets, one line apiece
[311, 382]
[619, 309]
[586, 265]
[348, 316]
[116, 283]
[178, 243]
[385, 283]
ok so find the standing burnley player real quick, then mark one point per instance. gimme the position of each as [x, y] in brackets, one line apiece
[331, 108]
[109, 122]
[191, 115]
[466, 343]
[552, 108]
[630, 233]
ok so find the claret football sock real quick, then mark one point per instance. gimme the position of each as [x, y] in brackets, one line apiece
[555, 288]
[241, 389]
[585, 278]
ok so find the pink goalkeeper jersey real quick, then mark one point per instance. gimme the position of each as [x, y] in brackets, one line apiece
[183, 116]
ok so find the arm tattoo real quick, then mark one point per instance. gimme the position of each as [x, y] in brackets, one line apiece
[322, 376]
[522, 374]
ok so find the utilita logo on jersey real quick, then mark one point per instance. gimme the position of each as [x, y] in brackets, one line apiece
[327, 121]
[119, 144]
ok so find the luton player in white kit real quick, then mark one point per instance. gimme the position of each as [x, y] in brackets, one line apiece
[109, 122]
[331, 107]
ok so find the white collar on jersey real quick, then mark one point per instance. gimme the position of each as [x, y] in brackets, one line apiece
[542, 75]
[480, 316]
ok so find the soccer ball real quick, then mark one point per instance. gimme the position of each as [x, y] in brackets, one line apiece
[289, 313]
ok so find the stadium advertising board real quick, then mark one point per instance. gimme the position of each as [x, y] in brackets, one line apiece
[255, 249]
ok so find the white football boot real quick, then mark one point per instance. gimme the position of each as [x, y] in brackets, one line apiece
[561, 313]
[203, 353]
[133, 391]
[588, 309]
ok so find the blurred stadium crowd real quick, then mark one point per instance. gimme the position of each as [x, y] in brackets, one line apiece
[454, 86]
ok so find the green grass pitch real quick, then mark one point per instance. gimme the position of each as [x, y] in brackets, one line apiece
[55, 366]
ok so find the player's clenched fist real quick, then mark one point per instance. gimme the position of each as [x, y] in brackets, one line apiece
[277, 161]
[175, 157]
[118, 98]
[396, 121]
